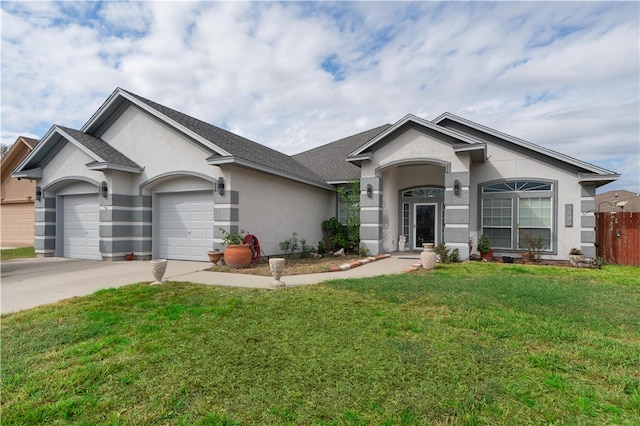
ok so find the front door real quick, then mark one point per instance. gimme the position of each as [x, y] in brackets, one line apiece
[424, 224]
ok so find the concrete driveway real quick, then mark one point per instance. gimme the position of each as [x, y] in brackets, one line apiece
[27, 283]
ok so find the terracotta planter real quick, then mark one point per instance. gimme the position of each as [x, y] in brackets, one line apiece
[237, 256]
[128, 256]
[488, 255]
[214, 256]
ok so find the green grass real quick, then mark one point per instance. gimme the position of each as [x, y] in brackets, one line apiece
[17, 253]
[464, 344]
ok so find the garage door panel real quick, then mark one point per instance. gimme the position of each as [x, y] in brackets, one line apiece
[81, 227]
[184, 225]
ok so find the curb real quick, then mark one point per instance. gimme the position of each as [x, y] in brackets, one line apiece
[356, 263]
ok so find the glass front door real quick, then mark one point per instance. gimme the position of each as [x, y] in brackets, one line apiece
[424, 223]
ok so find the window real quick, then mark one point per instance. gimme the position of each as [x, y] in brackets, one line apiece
[405, 219]
[515, 211]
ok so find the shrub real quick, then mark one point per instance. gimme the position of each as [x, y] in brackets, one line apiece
[335, 236]
[484, 244]
[295, 247]
[447, 255]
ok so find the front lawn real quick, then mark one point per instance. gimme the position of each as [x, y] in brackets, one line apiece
[17, 253]
[470, 343]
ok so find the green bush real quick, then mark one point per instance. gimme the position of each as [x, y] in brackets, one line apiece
[335, 236]
[447, 255]
[294, 247]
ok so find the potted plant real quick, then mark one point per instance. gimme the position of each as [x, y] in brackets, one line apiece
[484, 247]
[575, 256]
[214, 256]
[236, 253]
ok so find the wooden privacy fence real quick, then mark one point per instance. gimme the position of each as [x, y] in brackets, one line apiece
[618, 237]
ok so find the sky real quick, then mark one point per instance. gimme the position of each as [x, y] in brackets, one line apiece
[296, 75]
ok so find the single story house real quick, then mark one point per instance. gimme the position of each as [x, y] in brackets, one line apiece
[17, 208]
[142, 178]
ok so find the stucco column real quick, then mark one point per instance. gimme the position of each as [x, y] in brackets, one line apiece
[226, 213]
[45, 226]
[456, 212]
[371, 214]
[587, 221]
[125, 226]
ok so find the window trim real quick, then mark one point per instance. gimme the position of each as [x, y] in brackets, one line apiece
[516, 196]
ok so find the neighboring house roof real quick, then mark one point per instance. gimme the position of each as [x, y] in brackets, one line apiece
[459, 142]
[586, 172]
[12, 190]
[329, 161]
[105, 157]
[225, 147]
[618, 201]
[18, 151]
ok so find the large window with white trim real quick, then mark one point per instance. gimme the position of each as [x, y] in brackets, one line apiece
[514, 212]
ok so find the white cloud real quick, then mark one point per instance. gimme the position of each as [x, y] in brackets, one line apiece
[563, 75]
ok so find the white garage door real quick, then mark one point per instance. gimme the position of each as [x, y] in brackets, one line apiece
[184, 225]
[81, 235]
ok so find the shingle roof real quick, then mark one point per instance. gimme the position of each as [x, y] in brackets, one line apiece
[330, 161]
[30, 141]
[238, 146]
[618, 201]
[107, 153]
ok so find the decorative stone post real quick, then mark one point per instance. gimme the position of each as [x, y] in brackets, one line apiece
[428, 256]
[276, 265]
[158, 267]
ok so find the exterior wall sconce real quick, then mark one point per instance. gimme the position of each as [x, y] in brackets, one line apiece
[220, 185]
[38, 193]
[369, 190]
[456, 187]
[103, 189]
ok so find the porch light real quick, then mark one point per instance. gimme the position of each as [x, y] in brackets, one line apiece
[38, 193]
[221, 185]
[103, 189]
[456, 187]
[369, 190]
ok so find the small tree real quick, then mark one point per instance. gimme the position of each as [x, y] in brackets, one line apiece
[350, 195]
[3, 150]
[335, 237]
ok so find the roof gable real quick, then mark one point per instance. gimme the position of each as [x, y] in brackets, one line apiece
[587, 172]
[225, 147]
[18, 151]
[459, 142]
[104, 156]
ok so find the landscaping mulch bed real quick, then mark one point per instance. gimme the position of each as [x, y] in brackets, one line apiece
[294, 266]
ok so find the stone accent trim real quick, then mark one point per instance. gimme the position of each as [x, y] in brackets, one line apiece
[587, 221]
[226, 214]
[371, 214]
[45, 227]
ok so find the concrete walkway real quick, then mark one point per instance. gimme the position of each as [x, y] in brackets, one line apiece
[27, 283]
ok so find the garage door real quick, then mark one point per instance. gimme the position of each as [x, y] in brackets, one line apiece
[184, 225]
[81, 235]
